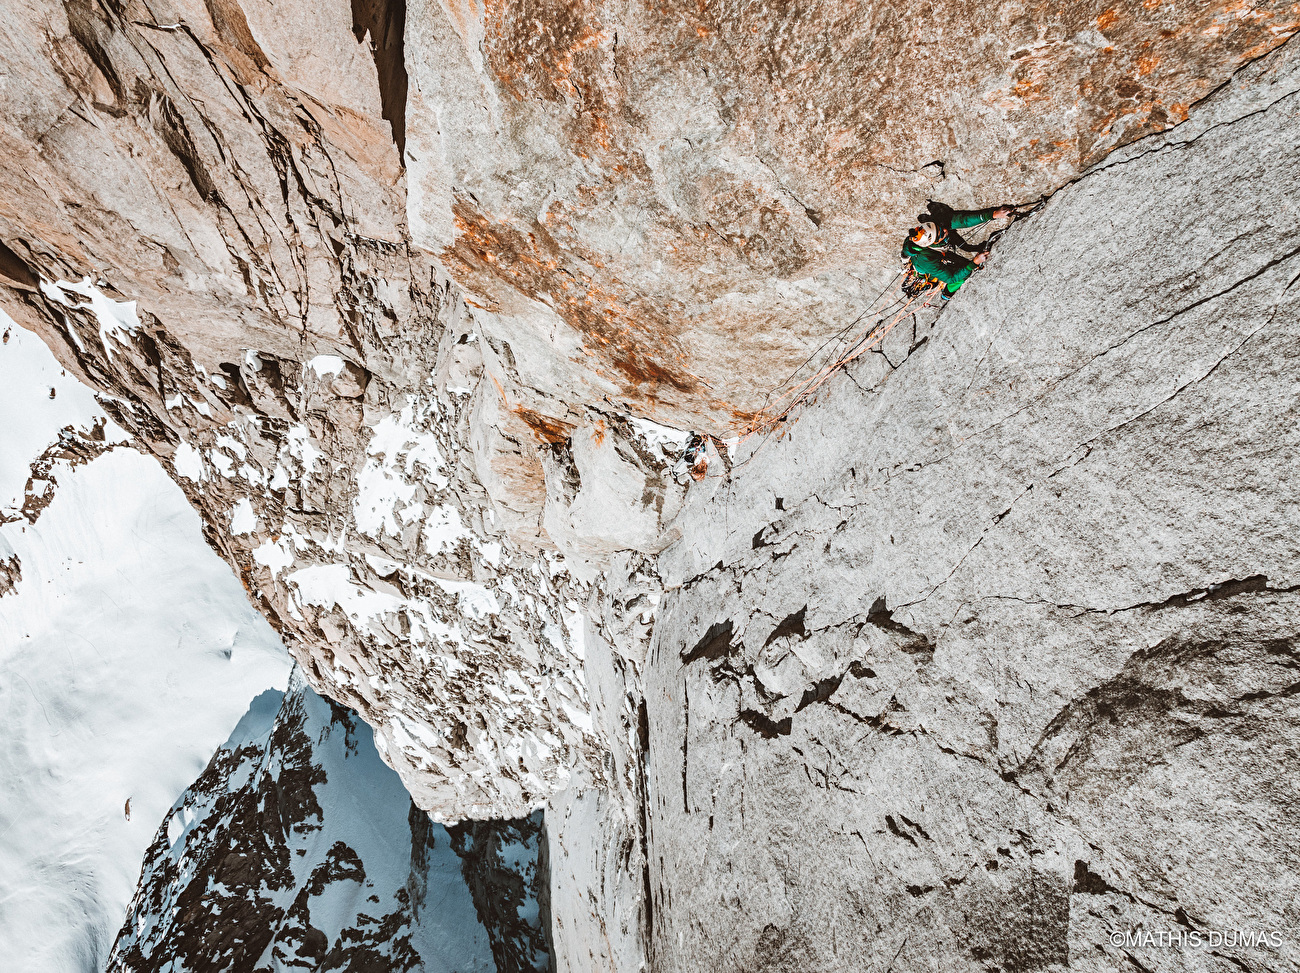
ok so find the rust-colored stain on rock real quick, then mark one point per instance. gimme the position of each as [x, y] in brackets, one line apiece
[715, 163]
[633, 336]
[546, 429]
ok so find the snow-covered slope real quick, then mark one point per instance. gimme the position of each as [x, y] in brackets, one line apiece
[38, 398]
[299, 848]
[127, 652]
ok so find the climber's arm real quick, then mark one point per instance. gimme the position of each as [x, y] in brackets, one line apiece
[959, 274]
[969, 218]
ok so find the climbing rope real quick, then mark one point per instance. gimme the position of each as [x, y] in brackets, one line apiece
[839, 336]
[767, 418]
[916, 287]
[765, 422]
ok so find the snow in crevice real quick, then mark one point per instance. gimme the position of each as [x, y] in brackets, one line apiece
[326, 366]
[243, 520]
[115, 318]
[188, 462]
[299, 445]
[670, 440]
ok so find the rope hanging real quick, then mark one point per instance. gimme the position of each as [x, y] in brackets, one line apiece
[771, 415]
[867, 340]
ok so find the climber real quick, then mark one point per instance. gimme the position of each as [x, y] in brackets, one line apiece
[694, 461]
[931, 249]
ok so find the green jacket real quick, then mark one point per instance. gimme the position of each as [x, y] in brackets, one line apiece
[945, 265]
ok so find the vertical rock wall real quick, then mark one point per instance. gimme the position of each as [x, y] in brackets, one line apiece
[994, 653]
[408, 394]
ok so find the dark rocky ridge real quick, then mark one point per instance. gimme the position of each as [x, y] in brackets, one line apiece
[297, 848]
[505, 867]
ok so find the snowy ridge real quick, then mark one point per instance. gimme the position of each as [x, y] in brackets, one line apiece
[299, 848]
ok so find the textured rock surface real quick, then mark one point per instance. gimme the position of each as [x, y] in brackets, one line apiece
[400, 362]
[207, 217]
[996, 652]
[598, 854]
[669, 200]
[597, 883]
[307, 376]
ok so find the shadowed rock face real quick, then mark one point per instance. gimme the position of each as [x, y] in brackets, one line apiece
[298, 848]
[504, 863]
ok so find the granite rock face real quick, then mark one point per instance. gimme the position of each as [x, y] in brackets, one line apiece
[204, 217]
[987, 651]
[380, 284]
[681, 197]
[995, 653]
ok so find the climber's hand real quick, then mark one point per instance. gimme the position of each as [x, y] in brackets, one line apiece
[979, 258]
[1001, 213]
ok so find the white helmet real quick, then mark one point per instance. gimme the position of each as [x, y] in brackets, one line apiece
[925, 234]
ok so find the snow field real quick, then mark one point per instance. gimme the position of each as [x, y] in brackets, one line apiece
[128, 652]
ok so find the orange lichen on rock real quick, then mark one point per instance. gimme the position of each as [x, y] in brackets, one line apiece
[547, 429]
[718, 170]
[635, 335]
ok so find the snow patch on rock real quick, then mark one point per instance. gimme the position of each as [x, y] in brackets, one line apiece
[242, 518]
[116, 318]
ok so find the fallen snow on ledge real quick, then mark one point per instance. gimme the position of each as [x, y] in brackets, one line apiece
[30, 416]
[114, 317]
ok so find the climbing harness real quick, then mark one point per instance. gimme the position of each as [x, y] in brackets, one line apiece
[927, 234]
[916, 283]
[694, 460]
